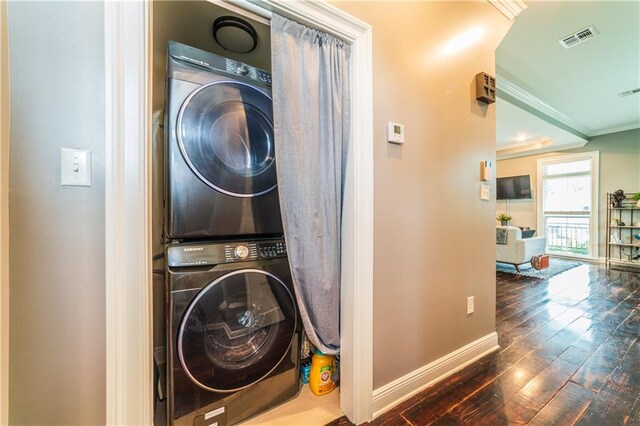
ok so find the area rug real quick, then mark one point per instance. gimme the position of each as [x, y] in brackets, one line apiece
[556, 266]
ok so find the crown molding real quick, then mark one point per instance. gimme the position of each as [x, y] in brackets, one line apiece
[616, 129]
[529, 145]
[509, 8]
[508, 87]
[505, 154]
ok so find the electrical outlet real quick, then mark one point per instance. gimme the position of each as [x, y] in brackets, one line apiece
[470, 301]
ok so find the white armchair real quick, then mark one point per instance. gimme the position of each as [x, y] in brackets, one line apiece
[517, 250]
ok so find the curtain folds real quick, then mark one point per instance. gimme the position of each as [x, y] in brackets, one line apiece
[310, 74]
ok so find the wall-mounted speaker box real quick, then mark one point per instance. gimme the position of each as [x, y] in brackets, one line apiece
[485, 88]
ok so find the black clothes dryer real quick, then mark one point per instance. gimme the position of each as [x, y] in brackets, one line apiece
[233, 331]
[220, 165]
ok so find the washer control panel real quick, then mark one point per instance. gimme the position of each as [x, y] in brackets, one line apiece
[240, 252]
[200, 254]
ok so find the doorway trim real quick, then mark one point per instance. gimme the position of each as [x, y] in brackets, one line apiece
[594, 225]
[129, 393]
[128, 208]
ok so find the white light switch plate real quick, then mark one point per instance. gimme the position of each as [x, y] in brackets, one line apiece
[485, 191]
[75, 167]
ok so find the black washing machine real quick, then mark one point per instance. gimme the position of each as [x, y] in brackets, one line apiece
[220, 166]
[233, 331]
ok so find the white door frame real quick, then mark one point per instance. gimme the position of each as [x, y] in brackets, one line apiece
[5, 120]
[128, 209]
[128, 214]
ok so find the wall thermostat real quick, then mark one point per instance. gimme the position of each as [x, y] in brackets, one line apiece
[395, 132]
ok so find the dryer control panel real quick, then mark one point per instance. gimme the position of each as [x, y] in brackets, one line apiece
[194, 254]
[247, 71]
[273, 249]
[200, 58]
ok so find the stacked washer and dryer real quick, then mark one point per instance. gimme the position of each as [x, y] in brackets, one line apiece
[233, 328]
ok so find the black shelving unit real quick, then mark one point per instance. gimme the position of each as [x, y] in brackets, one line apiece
[623, 248]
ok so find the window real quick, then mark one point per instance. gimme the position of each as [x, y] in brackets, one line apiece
[568, 204]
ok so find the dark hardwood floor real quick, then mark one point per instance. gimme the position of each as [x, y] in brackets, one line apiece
[569, 354]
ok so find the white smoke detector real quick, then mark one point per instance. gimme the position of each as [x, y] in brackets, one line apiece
[578, 37]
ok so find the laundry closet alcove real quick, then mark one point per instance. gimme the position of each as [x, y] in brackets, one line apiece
[358, 33]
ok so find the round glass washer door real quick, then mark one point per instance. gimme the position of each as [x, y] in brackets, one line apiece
[225, 134]
[237, 330]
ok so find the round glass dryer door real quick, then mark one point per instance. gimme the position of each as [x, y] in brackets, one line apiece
[236, 330]
[225, 133]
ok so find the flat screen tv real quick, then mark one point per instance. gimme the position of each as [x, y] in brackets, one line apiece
[513, 187]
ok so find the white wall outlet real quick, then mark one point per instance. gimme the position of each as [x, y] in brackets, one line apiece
[75, 167]
[470, 302]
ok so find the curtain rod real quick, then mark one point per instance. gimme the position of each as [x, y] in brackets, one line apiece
[251, 10]
[246, 9]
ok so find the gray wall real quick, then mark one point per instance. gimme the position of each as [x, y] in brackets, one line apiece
[57, 346]
[434, 241]
[619, 157]
[426, 200]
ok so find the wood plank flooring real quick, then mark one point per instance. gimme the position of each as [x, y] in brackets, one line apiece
[569, 354]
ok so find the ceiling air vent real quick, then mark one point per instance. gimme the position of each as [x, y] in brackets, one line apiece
[629, 92]
[578, 37]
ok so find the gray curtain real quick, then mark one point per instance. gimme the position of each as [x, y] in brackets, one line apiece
[310, 74]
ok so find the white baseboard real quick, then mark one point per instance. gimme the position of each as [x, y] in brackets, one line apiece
[403, 388]
[577, 258]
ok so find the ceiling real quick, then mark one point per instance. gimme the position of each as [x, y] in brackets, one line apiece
[568, 95]
[519, 132]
